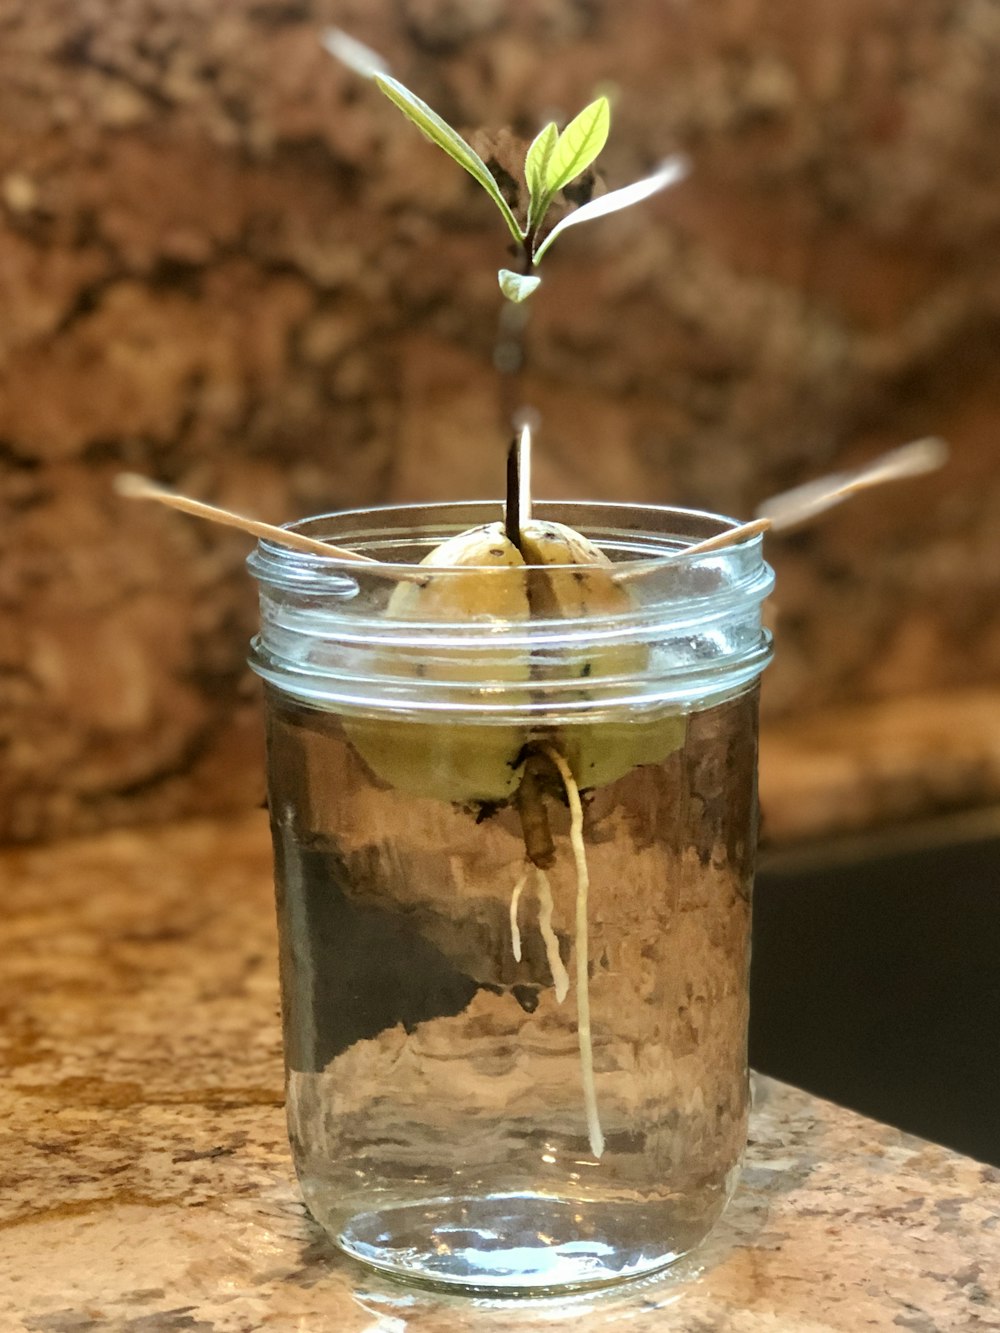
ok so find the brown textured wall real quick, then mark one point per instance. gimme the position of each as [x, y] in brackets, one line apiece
[226, 263]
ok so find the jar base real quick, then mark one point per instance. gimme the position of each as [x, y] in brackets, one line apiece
[515, 1244]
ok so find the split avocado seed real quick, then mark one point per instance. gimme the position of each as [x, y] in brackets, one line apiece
[554, 573]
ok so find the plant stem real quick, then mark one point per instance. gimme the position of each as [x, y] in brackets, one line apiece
[512, 510]
[509, 353]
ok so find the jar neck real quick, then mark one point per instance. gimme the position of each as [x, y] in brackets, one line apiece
[684, 632]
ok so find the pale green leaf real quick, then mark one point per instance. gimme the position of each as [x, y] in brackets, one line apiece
[517, 286]
[578, 145]
[440, 132]
[536, 166]
[674, 169]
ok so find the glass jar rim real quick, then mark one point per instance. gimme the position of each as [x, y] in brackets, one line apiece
[443, 518]
[333, 629]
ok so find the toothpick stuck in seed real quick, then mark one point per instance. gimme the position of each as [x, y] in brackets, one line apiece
[744, 533]
[804, 503]
[134, 487]
[741, 534]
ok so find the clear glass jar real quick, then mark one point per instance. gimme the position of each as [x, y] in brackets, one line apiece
[497, 1078]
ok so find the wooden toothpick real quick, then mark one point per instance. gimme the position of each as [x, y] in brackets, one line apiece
[134, 487]
[803, 503]
[723, 539]
[807, 502]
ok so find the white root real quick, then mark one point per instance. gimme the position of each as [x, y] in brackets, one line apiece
[515, 930]
[584, 1038]
[560, 976]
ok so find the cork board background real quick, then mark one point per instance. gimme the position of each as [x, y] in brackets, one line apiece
[228, 264]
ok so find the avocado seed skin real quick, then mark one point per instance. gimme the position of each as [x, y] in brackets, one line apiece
[597, 753]
[556, 574]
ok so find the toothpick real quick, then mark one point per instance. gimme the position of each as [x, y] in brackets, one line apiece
[741, 534]
[134, 487]
[803, 503]
[732, 537]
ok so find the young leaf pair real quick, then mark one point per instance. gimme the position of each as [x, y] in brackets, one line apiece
[555, 159]
[552, 162]
[517, 286]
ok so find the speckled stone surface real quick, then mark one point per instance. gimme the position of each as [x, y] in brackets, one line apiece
[146, 1185]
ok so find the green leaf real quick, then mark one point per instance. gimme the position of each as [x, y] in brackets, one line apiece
[671, 171]
[578, 145]
[517, 286]
[536, 166]
[440, 132]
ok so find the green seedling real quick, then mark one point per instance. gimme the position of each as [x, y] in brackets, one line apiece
[554, 160]
[519, 569]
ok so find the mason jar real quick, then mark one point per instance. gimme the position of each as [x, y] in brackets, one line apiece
[514, 859]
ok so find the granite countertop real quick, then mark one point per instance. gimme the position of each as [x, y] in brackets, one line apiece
[147, 1184]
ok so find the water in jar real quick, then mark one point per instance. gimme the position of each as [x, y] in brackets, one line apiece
[434, 1081]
